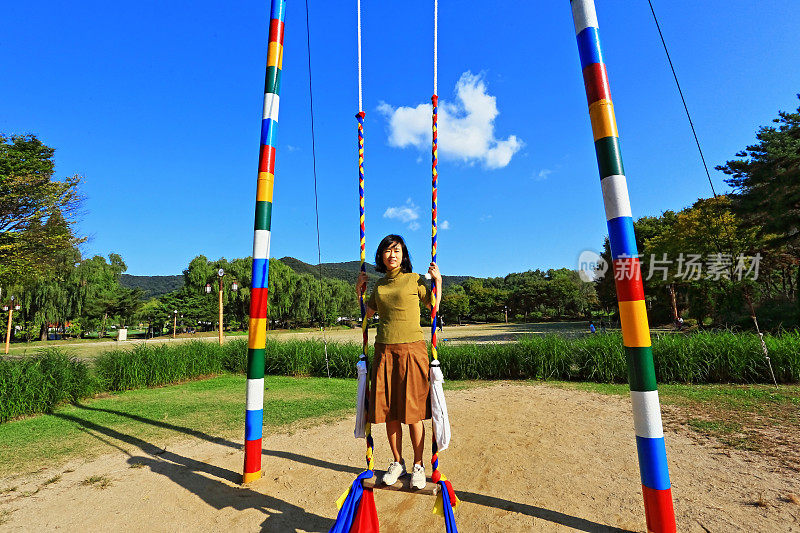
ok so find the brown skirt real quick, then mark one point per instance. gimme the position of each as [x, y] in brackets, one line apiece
[399, 388]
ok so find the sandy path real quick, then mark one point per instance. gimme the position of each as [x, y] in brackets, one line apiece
[567, 464]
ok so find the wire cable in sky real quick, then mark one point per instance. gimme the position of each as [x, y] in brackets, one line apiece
[316, 199]
[674, 75]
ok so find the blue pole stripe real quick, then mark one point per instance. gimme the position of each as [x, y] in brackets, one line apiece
[278, 10]
[254, 424]
[589, 47]
[623, 240]
[269, 131]
[260, 274]
[653, 463]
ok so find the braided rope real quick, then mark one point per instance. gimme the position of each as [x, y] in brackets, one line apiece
[363, 256]
[435, 475]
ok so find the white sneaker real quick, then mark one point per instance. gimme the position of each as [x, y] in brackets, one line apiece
[394, 472]
[418, 480]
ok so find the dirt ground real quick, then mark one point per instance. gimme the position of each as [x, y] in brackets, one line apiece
[523, 458]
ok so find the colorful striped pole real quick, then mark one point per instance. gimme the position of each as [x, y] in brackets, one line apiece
[257, 337]
[656, 489]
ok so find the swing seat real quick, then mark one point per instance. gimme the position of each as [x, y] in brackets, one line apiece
[403, 485]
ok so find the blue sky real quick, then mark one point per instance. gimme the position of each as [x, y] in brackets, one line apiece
[158, 105]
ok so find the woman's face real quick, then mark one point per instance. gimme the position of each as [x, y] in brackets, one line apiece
[393, 256]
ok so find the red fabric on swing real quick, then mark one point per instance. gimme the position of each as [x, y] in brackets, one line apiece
[366, 519]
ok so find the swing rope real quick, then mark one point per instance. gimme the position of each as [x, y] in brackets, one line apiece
[442, 506]
[364, 322]
[363, 241]
[356, 505]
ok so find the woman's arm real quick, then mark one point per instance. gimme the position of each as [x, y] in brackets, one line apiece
[361, 287]
[433, 270]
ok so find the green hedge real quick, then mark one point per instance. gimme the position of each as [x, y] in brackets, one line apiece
[38, 384]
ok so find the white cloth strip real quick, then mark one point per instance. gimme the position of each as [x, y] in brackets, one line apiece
[261, 239]
[271, 104]
[360, 431]
[647, 414]
[255, 394]
[615, 197]
[583, 15]
[439, 418]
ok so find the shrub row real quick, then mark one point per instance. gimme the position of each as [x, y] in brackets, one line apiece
[38, 384]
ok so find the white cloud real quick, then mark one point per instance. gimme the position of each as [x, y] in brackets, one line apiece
[408, 213]
[444, 224]
[292, 148]
[465, 127]
[543, 174]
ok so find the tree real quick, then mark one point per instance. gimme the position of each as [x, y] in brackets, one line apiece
[455, 303]
[766, 183]
[36, 212]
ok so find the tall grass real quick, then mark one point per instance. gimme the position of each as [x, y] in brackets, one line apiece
[150, 365]
[38, 384]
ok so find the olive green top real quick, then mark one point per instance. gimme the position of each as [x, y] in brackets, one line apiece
[396, 299]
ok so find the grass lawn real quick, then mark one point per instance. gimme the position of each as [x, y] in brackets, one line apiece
[749, 417]
[209, 409]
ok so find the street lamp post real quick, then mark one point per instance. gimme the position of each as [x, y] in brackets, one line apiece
[10, 308]
[221, 274]
[174, 322]
[234, 287]
[505, 310]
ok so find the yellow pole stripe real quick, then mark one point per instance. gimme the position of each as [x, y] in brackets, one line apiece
[258, 333]
[604, 123]
[633, 320]
[266, 182]
[251, 476]
[275, 55]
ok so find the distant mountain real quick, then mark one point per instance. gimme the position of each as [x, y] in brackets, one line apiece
[153, 286]
[348, 270]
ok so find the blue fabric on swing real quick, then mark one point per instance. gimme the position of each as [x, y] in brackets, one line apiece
[449, 516]
[344, 520]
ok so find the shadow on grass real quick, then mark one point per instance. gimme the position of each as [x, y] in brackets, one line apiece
[282, 516]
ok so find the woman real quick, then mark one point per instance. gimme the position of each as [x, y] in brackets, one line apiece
[399, 392]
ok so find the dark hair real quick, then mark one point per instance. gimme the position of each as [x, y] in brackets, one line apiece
[405, 264]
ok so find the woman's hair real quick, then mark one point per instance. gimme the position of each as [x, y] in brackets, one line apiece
[405, 264]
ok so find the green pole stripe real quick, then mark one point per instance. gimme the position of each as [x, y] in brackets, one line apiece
[263, 215]
[255, 363]
[641, 370]
[609, 157]
[273, 83]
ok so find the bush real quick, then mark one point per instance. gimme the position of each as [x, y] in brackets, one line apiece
[158, 364]
[38, 384]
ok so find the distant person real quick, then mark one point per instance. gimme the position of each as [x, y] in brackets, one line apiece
[602, 326]
[592, 329]
[439, 322]
[680, 323]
